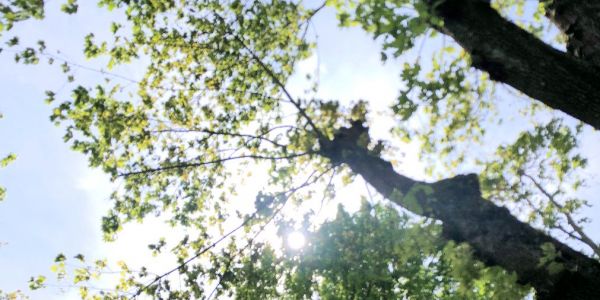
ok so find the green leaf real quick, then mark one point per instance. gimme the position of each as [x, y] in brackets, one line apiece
[70, 7]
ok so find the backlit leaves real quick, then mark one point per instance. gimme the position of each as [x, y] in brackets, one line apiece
[70, 7]
[539, 172]
[398, 23]
[13, 11]
[5, 161]
[372, 254]
[211, 109]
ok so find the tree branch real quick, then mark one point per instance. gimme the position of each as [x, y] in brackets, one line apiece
[497, 237]
[276, 80]
[583, 237]
[513, 56]
[578, 20]
[289, 193]
[138, 82]
[204, 163]
[306, 183]
[198, 254]
[225, 133]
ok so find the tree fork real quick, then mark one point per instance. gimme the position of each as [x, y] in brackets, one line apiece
[496, 237]
[513, 56]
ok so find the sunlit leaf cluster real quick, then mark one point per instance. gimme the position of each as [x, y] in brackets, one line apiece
[13, 11]
[371, 254]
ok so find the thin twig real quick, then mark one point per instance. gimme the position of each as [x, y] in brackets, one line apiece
[325, 191]
[226, 133]
[138, 82]
[187, 261]
[204, 163]
[277, 81]
[570, 220]
[307, 182]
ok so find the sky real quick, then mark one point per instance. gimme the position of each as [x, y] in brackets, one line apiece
[55, 201]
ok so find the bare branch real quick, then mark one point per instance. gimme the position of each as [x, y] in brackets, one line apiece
[316, 10]
[570, 220]
[225, 133]
[204, 250]
[325, 190]
[216, 161]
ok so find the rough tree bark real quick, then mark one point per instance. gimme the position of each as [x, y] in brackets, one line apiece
[513, 56]
[497, 237]
[580, 21]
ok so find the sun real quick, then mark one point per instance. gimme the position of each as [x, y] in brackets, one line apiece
[296, 240]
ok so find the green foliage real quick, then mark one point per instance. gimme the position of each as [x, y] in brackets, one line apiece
[393, 21]
[376, 253]
[70, 7]
[37, 282]
[213, 105]
[550, 259]
[539, 172]
[452, 106]
[15, 295]
[411, 201]
[215, 88]
[448, 108]
[5, 161]
[529, 16]
[13, 11]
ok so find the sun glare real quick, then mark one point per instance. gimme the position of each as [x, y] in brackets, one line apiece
[296, 240]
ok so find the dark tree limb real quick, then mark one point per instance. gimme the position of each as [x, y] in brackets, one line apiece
[513, 56]
[497, 237]
[580, 21]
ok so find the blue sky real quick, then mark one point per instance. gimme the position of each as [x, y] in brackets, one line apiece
[54, 201]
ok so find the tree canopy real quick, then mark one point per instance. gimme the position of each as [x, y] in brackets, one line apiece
[215, 109]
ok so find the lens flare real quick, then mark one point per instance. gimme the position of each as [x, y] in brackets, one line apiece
[296, 240]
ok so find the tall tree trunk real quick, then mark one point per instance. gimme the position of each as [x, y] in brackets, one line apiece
[513, 56]
[497, 237]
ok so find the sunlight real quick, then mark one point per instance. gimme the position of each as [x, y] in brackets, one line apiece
[296, 240]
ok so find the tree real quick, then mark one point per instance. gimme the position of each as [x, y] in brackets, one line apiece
[215, 92]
